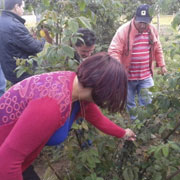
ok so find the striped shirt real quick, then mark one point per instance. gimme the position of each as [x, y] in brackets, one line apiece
[139, 67]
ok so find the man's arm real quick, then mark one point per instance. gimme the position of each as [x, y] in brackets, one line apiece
[158, 52]
[160, 59]
[25, 41]
[117, 45]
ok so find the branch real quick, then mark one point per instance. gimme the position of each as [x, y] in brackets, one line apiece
[166, 138]
[78, 139]
[174, 174]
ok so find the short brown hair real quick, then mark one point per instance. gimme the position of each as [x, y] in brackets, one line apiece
[108, 80]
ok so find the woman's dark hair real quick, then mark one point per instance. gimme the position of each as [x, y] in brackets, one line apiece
[9, 4]
[108, 80]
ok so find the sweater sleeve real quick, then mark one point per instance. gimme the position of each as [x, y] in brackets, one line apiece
[116, 47]
[32, 130]
[159, 57]
[24, 40]
[101, 122]
[158, 51]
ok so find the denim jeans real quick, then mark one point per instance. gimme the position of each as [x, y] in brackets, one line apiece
[135, 87]
[2, 82]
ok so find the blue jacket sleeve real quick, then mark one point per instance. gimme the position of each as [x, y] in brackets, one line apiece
[24, 40]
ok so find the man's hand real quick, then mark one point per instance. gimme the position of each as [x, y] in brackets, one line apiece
[46, 35]
[129, 135]
[33, 33]
[163, 70]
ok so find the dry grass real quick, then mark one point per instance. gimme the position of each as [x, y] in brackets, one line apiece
[164, 19]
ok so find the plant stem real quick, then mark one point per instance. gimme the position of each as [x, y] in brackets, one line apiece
[78, 139]
[176, 127]
[174, 174]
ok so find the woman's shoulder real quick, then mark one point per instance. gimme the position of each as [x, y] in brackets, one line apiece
[53, 84]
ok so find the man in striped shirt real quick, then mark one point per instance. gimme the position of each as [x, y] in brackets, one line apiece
[136, 45]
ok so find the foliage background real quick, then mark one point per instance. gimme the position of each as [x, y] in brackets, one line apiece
[88, 154]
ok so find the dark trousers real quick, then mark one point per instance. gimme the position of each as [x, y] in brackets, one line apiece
[30, 174]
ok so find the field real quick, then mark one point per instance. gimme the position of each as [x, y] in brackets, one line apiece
[164, 19]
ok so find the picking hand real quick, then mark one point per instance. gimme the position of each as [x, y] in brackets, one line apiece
[33, 33]
[129, 135]
[44, 33]
[163, 70]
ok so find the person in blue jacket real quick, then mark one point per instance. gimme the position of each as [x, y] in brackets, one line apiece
[16, 40]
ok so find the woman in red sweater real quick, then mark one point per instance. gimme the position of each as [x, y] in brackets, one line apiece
[40, 110]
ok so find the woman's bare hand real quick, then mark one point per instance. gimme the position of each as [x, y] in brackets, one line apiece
[129, 135]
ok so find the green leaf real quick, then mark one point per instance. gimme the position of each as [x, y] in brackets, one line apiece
[165, 151]
[99, 178]
[88, 178]
[73, 25]
[69, 51]
[46, 2]
[135, 172]
[20, 72]
[157, 153]
[82, 5]
[176, 21]
[131, 175]
[128, 174]
[94, 152]
[175, 147]
[71, 63]
[85, 126]
[91, 162]
[125, 174]
[157, 176]
[74, 40]
[92, 16]
[30, 61]
[75, 126]
[85, 22]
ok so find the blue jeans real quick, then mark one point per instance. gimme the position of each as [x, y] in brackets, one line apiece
[2, 82]
[136, 87]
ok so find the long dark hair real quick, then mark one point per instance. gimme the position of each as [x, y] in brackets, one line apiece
[108, 80]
